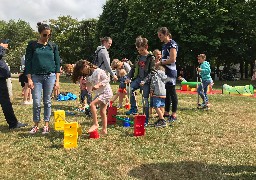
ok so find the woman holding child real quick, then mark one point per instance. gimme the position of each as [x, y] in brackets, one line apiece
[169, 54]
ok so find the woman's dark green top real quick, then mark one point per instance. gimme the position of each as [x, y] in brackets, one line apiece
[42, 59]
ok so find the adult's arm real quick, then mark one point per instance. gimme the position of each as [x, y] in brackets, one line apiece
[57, 65]
[106, 62]
[172, 58]
[28, 59]
[57, 59]
[130, 75]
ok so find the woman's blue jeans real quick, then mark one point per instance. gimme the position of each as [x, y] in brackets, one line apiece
[45, 84]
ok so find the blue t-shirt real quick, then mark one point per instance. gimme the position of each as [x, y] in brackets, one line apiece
[170, 69]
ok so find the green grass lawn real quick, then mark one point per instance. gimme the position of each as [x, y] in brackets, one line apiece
[216, 144]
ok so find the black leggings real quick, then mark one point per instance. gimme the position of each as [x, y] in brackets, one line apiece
[171, 97]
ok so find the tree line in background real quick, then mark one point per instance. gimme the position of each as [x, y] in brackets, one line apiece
[222, 29]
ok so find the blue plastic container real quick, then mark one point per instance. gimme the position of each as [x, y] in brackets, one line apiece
[126, 123]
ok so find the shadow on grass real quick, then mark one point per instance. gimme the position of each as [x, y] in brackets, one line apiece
[69, 110]
[55, 138]
[188, 109]
[5, 129]
[65, 107]
[192, 170]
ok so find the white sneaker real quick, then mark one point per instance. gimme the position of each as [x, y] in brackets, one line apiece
[46, 130]
[24, 102]
[30, 102]
[27, 102]
[34, 130]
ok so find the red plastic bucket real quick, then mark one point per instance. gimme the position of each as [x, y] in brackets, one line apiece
[94, 134]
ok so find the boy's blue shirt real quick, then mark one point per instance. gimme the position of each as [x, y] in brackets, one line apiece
[205, 71]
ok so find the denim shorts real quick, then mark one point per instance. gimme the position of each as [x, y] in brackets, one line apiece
[158, 102]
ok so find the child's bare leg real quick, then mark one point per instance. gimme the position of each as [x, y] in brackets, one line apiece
[150, 110]
[94, 115]
[126, 99]
[23, 89]
[115, 97]
[121, 98]
[103, 111]
[160, 113]
[26, 92]
[162, 109]
[29, 95]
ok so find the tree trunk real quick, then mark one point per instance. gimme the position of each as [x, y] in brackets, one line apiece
[251, 68]
[242, 69]
[246, 68]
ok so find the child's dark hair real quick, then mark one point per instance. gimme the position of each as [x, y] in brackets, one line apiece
[79, 68]
[105, 39]
[141, 42]
[42, 27]
[164, 31]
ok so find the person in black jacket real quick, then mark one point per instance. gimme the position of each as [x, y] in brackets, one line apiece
[4, 95]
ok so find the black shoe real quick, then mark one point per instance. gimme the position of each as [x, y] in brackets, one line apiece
[155, 123]
[172, 119]
[18, 125]
[161, 123]
[88, 112]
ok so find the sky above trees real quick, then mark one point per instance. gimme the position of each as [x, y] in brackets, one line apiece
[33, 11]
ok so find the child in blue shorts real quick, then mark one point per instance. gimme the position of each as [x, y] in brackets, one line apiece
[158, 94]
[122, 91]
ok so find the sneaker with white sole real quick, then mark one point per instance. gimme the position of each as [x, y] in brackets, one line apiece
[34, 130]
[160, 123]
[27, 102]
[46, 130]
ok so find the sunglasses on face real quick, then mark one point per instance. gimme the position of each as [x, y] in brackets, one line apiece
[47, 35]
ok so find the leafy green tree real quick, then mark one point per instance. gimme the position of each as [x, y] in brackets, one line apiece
[87, 30]
[222, 29]
[144, 18]
[19, 33]
[112, 23]
[64, 34]
[74, 38]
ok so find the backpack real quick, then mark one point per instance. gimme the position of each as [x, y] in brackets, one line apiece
[95, 59]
